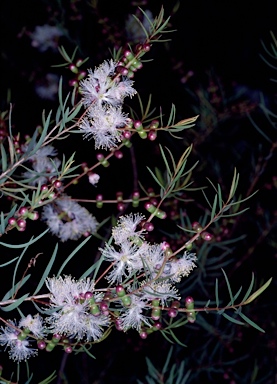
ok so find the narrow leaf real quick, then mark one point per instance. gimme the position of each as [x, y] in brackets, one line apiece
[49, 379]
[250, 322]
[8, 262]
[249, 289]
[216, 293]
[72, 254]
[32, 241]
[47, 270]
[14, 305]
[232, 319]
[229, 287]
[258, 292]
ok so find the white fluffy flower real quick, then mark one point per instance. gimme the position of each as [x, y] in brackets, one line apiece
[34, 324]
[46, 37]
[18, 349]
[176, 269]
[67, 219]
[93, 178]
[72, 316]
[103, 123]
[43, 164]
[159, 290]
[127, 260]
[126, 228]
[133, 316]
[99, 87]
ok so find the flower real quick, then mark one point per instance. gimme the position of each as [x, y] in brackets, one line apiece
[34, 324]
[127, 259]
[93, 178]
[46, 37]
[126, 228]
[44, 166]
[176, 269]
[19, 349]
[72, 303]
[99, 87]
[102, 122]
[163, 291]
[133, 317]
[67, 219]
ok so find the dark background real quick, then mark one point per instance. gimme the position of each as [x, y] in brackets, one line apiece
[220, 43]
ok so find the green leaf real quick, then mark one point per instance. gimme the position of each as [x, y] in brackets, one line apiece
[155, 178]
[47, 270]
[258, 292]
[49, 379]
[233, 185]
[171, 116]
[151, 369]
[32, 241]
[9, 262]
[87, 351]
[75, 112]
[216, 293]
[176, 338]
[3, 223]
[210, 205]
[214, 207]
[3, 158]
[165, 367]
[15, 269]
[249, 289]
[232, 319]
[166, 162]
[250, 322]
[10, 293]
[229, 287]
[72, 254]
[142, 26]
[98, 264]
[14, 305]
[166, 337]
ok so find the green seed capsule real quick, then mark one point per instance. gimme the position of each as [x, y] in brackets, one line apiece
[50, 346]
[126, 301]
[94, 310]
[142, 134]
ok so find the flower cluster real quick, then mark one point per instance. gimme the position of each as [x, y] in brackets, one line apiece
[67, 219]
[17, 340]
[103, 94]
[132, 254]
[43, 163]
[46, 37]
[76, 312]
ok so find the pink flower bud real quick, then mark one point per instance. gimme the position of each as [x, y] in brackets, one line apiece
[206, 236]
[21, 223]
[127, 134]
[68, 349]
[152, 135]
[172, 312]
[12, 221]
[143, 335]
[22, 211]
[41, 344]
[88, 295]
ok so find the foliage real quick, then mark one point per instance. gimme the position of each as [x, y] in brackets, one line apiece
[119, 261]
